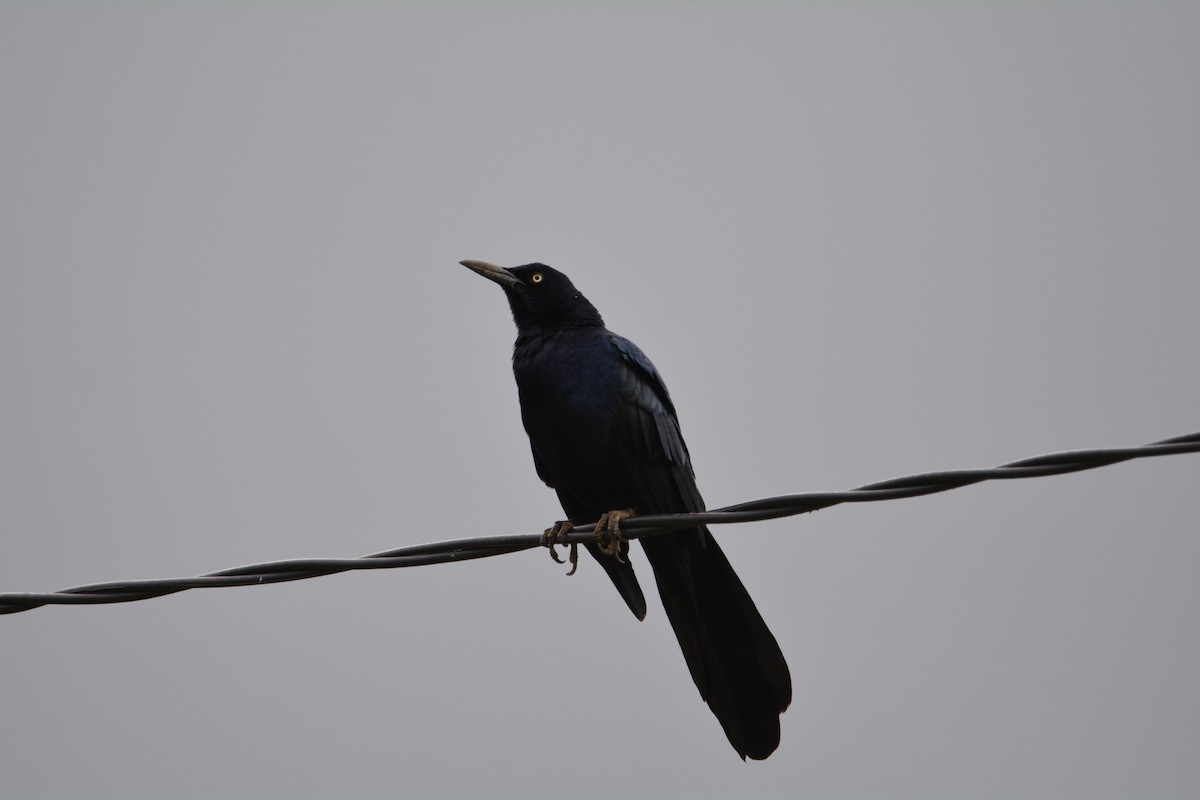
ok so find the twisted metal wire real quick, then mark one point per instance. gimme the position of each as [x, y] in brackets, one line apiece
[632, 528]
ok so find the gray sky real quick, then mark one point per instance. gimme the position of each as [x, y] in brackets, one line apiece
[859, 242]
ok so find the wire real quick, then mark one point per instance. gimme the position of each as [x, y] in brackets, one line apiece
[632, 528]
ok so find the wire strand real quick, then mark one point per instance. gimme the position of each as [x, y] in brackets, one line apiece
[632, 528]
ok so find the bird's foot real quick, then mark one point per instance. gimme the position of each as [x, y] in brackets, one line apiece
[557, 534]
[608, 532]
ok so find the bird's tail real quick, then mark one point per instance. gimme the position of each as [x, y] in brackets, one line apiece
[733, 657]
[620, 571]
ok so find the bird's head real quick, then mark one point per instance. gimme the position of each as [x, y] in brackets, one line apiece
[540, 296]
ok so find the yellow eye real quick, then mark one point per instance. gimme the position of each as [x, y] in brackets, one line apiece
[536, 277]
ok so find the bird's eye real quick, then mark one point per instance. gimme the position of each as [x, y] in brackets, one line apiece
[536, 277]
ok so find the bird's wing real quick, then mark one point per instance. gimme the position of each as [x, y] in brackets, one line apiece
[733, 657]
[648, 433]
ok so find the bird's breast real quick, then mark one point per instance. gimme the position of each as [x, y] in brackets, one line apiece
[569, 398]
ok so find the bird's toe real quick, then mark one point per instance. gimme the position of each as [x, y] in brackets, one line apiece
[608, 532]
[556, 534]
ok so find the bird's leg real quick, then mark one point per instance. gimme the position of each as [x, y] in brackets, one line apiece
[557, 534]
[608, 532]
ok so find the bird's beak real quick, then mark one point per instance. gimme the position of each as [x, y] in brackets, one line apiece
[493, 273]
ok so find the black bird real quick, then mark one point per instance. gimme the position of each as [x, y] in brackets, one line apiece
[605, 437]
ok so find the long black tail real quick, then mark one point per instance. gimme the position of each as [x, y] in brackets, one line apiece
[733, 657]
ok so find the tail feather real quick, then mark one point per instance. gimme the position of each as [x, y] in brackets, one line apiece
[732, 655]
[621, 573]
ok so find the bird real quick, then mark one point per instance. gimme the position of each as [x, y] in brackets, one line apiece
[605, 436]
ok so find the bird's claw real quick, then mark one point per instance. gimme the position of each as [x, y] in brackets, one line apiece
[557, 534]
[608, 532]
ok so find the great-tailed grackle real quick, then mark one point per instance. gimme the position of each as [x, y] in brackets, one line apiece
[605, 437]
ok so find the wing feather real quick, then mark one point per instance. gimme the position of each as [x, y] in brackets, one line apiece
[652, 445]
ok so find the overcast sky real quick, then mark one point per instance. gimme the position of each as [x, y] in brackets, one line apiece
[859, 241]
